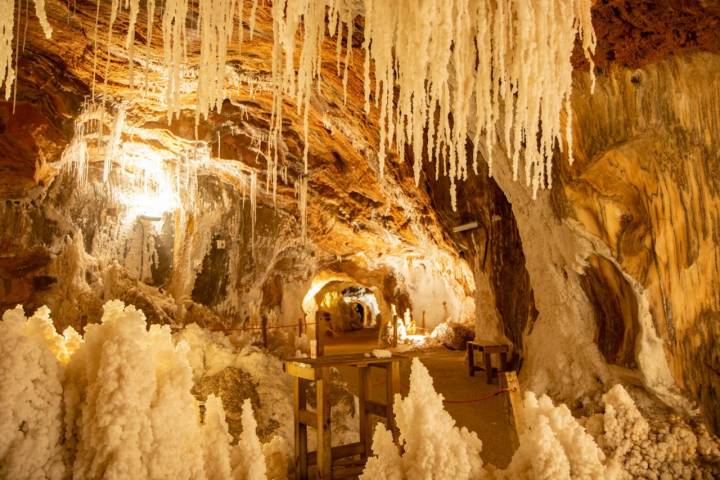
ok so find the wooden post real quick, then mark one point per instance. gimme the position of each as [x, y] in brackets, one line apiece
[487, 359]
[363, 396]
[301, 453]
[263, 322]
[509, 380]
[320, 326]
[324, 444]
[471, 358]
[392, 386]
[504, 364]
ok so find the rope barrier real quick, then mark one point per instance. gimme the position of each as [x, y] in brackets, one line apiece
[445, 400]
[229, 329]
[480, 399]
[241, 329]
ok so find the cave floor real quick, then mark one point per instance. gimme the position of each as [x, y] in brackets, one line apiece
[449, 371]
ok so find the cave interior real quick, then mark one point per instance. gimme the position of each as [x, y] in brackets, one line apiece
[193, 192]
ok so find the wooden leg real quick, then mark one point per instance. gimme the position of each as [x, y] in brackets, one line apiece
[392, 387]
[471, 359]
[300, 403]
[324, 443]
[365, 427]
[488, 367]
[503, 362]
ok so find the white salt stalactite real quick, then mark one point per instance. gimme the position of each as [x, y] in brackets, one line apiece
[430, 58]
[95, 50]
[216, 22]
[114, 142]
[253, 12]
[302, 191]
[148, 41]
[173, 27]
[42, 18]
[253, 209]
[7, 35]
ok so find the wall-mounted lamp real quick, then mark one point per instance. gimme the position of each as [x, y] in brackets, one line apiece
[465, 227]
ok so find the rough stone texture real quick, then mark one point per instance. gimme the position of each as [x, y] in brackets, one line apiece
[645, 184]
[634, 33]
[616, 310]
[233, 386]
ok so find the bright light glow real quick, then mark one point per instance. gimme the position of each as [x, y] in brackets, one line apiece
[406, 329]
[148, 189]
[144, 181]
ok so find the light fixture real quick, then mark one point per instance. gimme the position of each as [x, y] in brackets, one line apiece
[466, 226]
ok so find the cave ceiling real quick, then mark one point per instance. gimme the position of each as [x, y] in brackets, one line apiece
[56, 78]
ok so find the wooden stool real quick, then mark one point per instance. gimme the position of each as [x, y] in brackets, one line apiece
[487, 350]
[330, 460]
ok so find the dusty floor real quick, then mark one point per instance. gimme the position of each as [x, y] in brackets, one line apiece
[449, 371]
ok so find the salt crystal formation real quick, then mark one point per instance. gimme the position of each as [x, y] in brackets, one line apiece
[498, 68]
[668, 450]
[483, 69]
[116, 403]
[554, 444]
[434, 447]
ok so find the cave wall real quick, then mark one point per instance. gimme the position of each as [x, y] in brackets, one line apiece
[644, 186]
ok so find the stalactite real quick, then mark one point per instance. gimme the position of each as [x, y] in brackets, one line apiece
[95, 49]
[42, 17]
[173, 22]
[148, 41]
[253, 209]
[114, 141]
[216, 21]
[301, 189]
[253, 13]
[430, 58]
[425, 62]
[130, 39]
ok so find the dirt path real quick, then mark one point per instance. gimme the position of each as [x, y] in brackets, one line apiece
[449, 372]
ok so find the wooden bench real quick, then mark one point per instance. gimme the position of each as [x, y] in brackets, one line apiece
[487, 350]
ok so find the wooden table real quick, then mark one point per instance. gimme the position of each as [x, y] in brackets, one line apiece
[487, 350]
[306, 370]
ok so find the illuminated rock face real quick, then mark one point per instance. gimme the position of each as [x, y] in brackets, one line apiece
[621, 251]
[646, 187]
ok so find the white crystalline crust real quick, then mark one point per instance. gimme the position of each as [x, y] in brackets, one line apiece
[667, 450]
[31, 392]
[434, 447]
[554, 445]
[115, 404]
[498, 68]
[462, 69]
